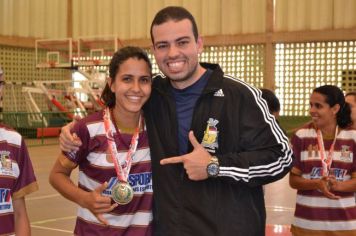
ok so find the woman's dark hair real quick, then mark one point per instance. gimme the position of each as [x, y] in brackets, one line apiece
[335, 96]
[119, 57]
[174, 13]
[272, 100]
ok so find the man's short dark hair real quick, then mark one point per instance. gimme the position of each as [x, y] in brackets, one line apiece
[174, 13]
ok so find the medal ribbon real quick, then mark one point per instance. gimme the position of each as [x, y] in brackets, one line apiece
[122, 171]
[326, 160]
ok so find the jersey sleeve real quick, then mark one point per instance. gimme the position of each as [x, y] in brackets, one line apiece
[353, 168]
[26, 182]
[296, 143]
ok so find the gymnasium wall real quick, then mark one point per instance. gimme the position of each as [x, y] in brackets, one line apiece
[308, 42]
[33, 18]
[131, 19]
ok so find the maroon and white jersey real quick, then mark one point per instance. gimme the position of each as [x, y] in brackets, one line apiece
[96, 167]
[316, 214]
[17, 178]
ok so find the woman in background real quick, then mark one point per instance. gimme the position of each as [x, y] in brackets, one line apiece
[17, 180]
[324, 171]
[350, 98]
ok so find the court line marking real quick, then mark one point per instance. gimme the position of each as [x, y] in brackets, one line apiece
[279, 208]
[70, 232]
[42, 197]
[277, 225]
[53, 229]
[53, 220]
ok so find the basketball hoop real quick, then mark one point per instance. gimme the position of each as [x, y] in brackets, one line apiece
[52, 64]
[96, 62]
[55, 53]
[96, 51]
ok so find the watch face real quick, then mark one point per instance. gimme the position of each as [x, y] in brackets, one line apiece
[213, 169]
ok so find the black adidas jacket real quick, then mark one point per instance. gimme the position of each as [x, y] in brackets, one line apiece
[251, 148]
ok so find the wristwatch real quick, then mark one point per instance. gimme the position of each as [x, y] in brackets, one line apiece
[213, 167]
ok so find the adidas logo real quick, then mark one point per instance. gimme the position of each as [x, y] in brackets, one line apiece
[219, 93]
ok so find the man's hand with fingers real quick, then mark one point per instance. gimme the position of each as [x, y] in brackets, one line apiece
[69, 142]
[195, 162]
[98, 204]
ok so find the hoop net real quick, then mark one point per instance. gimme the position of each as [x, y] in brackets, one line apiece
[96, 62]
[52, 64]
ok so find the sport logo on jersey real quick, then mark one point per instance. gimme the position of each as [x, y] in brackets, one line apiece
[210, 139]
[338, 173]
[140, 182]
[316, 173]
[5, 200]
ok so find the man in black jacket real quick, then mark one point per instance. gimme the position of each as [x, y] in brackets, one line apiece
[228, 143]
[213, 142]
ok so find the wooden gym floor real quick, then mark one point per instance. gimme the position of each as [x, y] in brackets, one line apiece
[51, 214]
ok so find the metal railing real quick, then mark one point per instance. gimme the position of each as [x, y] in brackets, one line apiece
[37, 128]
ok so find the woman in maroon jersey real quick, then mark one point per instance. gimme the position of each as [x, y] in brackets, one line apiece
[350, 98]
[114, 192]
[324, 170]
[17, 180]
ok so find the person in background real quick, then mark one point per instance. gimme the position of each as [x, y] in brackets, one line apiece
[272, 101]
[273, 104]
[114, 192]
[350, 98]
[213, 141]
[17, 179]
[324, 170]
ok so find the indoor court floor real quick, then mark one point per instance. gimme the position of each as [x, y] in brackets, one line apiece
[51, 214]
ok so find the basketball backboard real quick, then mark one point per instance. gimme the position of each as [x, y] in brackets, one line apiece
[97, 51]
[55, 53]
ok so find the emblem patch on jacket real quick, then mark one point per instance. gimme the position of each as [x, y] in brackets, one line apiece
[210, 139]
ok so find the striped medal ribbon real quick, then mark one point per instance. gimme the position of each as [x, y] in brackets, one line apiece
[121, 192]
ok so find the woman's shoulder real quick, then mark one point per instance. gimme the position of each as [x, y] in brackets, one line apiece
[10, 135]
[92, 118]
[348, 133]
[305, 130]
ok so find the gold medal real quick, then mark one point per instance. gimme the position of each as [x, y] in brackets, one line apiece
[122, 193]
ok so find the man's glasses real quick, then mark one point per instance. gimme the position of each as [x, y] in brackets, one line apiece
[2, 83]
